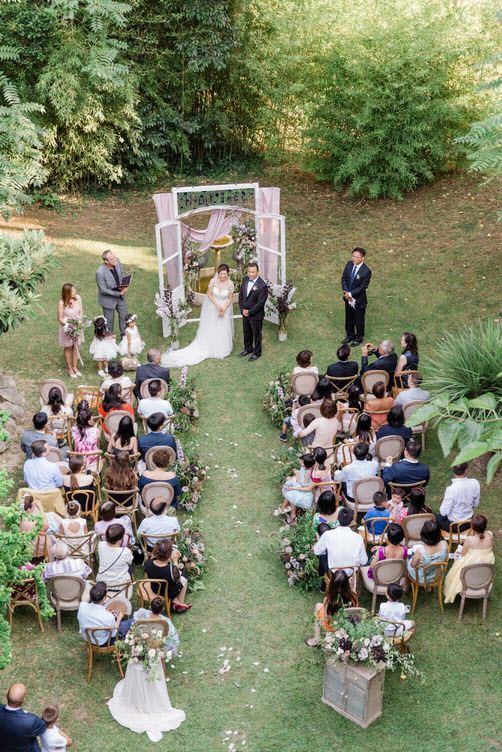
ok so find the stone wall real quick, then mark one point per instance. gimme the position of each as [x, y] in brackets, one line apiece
[13, 402]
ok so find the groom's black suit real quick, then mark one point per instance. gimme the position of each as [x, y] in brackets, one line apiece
[255, 304]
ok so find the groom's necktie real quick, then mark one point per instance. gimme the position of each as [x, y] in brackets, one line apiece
[353, 275]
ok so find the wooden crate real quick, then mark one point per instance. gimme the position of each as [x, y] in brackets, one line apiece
[354, 691]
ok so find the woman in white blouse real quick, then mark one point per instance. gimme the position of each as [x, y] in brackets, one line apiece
[304, 363]
[114, 560]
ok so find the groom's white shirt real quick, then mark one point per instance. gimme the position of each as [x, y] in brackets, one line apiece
[251, 284]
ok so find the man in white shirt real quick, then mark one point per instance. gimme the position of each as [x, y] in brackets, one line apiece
[342, 545]
[39, 473]
[155, 404]
[94, 614]
[160, 523]
[359, 468]
[460, 499]
[413, 393]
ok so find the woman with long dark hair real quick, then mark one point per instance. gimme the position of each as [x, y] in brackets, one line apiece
[125, 438]
[70, 307]
[113, 400]
[338, 595]
[408, 360]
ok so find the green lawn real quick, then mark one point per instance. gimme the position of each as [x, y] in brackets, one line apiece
[436, 263]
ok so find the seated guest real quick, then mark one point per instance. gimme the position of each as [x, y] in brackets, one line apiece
[53, 739]
[290, 421]
[125, 439]
[297, 489]
[408, 470]
[326, 516]
[160, 523]
[343, 546]
[339, 595]
[364, 433]
[413, 393]
[18, 728]
[432, 550]
[307, 440]
[476, 549]
[63, 564]
[396, 611]
[108, 516]
[115, 560]
[396, 506]
[113, 400]
[120, 476]
[353, 398]
[408, 360]
[163, 566]
[395, 425]
[161, 460]
[116, 376]
[460, 498]
[94, 614]
[37, 433]
[151, 370]
[321, 472]
[155, 403]
[86, 437]
[324, 389]
[39, 473]
[324, 428]
[386, 359]
[73, 525]
[155, 437]
[379, 510]
[79, 479]
[154, 613]
[55, 408]
[304, 363]
[393, 550]
[360, 467]
[30, 520]
[416, 503]
[344, 368]
[381, 404]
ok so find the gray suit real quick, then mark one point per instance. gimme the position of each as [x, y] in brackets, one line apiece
[109, 298]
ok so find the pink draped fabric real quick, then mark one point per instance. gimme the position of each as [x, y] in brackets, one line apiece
[219, 224]
[269, 201]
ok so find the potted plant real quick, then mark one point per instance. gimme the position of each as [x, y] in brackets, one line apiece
[279, 304]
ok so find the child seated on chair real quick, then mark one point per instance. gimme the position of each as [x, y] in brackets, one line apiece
[379, 510]
[396, 505]
[297, 490]
[394, 610]
[290, 421]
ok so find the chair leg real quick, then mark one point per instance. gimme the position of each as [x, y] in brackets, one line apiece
[414, 589]
[440, 596]
[461, 610]
[119, 664]
[58, 618]
[89, 674]
[485, 607]
[373, 601]
[39, 616]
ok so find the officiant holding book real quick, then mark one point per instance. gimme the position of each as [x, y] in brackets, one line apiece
[112, 287]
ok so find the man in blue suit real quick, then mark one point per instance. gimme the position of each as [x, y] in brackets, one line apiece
[155, 438]
[19, 729]
[408, 470]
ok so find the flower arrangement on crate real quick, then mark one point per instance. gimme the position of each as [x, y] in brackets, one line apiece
[191, 474]
[183, 399]
[146, 648]
[362, 639]
[276, 396]
[244, 237]
[193, 560]
[300, 563]
[280, 303]
[174, 311]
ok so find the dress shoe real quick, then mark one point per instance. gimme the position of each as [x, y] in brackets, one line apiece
[244, 353]
[254, 357]
[346, 340]
[356, 342]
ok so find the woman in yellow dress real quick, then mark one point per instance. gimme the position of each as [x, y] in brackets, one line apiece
[477, 549]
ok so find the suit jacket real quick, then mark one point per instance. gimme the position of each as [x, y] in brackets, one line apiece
[19, 730]
[150, 371]
[108, 295]
[156, 439]
[255, 301]
[358, 286]
[406, 472]
[382, 363]
[344, 369]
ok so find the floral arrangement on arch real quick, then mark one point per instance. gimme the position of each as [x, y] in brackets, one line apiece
[280, 303]
[192, 548]
[146, 648]
[276, 396]
[244, 237]
[300, 563]
[193, 262]
[174, 311]
[183, 399]
[361, 639]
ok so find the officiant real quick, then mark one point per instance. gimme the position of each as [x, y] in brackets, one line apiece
[355, 280]
[111, 291]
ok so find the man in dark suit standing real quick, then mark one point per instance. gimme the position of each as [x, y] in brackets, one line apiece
[252, 298]
[344, 368]
[151, 370]
[355, 280]
[19, 729]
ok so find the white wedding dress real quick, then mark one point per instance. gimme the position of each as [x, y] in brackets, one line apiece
[142, 705]
[215, 335]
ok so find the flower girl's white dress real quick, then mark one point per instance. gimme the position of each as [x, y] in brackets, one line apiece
[137, 345]
[103, 349]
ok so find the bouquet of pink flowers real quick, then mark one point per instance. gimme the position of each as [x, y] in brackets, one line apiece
[75, 328]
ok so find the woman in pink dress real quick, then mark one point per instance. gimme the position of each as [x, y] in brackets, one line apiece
[70, 307]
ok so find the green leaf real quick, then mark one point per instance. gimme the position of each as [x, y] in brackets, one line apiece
[495, 441]
[447, 433]
[492, 466]
[468, 453]
[486, 401]
[423, 413]
[469, 432]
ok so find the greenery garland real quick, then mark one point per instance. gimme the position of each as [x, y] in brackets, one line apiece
[275, 398]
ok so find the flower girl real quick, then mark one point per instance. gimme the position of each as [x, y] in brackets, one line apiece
[131, 343]
[103, 347]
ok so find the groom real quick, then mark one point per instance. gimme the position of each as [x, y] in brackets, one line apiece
[252, 298]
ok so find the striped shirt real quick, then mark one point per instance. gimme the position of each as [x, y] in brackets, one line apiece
[69, 565]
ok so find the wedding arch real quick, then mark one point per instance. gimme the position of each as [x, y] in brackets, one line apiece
[226, 205]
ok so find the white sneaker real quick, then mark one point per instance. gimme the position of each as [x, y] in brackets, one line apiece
[100, 373]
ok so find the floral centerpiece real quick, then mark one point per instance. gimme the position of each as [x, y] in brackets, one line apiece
[145, 648]
[183, 398]
[191, 475]
[300, 563]
[276, 397]
[360, 639]
[280, 303]
[193, 559]
[174, 311]
[244, 237]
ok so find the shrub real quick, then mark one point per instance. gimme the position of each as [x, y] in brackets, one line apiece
[296, 554]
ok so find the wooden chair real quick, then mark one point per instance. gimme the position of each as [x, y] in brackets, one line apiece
[353, 574]
[408, 487]
[368, 381]
[80, 546]
[119, 597]
[145, 394]
[408, 410]
[401, 382]
[152, 491]
[456, 534]
[126, 503]
[477, 582]
[378, 417]
[345, 453]
[94, 648]
[133, 459]
[147, 594]
[151, 626]
[384, 573]
[370, 537]
[349, 426]
[357, 611]
[88, 500]
[143, 539]
[113, 418]
[438, 570]
[55, 455]
[59, 426]
[363, 491]
[389, 446]
[90, 458]
[167, 426]
[150, 452]
[89, 393]
[345, 381]
[330, 485]
[40, 547]
[401, 638]
[25, 594]
[413, 525]
[314, 409]
[304, 383]
[65, 594]
[44, 387]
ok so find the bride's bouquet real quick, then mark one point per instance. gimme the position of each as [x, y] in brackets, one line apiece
[146, 647]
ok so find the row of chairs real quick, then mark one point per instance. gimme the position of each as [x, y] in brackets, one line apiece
[306, 382]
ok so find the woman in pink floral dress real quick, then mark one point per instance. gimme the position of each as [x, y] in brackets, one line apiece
[70, 307]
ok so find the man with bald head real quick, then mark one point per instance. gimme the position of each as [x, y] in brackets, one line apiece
[19, 729]
[151, 370]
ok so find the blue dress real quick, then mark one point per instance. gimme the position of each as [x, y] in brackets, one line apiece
[427, 559]
[301, 499]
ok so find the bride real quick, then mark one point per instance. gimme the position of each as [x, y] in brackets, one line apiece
[215, 335]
